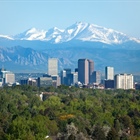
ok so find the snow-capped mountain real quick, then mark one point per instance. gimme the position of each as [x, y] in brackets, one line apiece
[54, 35]
[6, 37]
[31, 34]
[79, 31]
[31, 49]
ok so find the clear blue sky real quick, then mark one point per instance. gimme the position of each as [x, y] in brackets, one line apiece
[17, 16]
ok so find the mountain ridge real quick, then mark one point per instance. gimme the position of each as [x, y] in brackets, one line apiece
[20, 59]
[78, 31]
[30, 50]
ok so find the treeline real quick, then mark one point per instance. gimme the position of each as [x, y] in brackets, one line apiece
[69, 114]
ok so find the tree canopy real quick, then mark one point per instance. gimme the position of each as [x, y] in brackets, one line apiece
[70, 113]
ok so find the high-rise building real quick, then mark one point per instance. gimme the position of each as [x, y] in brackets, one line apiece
[109, 73]
[9, 78]
[69, 78]
[63, 76]
[96, 77]
[91, 70]
[53, 66]
[75, 77]
[85, 70]
[72, 79]
[68, 71]
[124, 81]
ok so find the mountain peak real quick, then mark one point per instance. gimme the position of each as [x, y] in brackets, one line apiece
[31, 30]
[31, 34]
[78, 31]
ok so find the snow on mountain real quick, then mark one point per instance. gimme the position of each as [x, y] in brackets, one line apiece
[135, 39]
[91, 32]
[78, 31]
[54, 35]
[6, 37]
[73, 31]
[31, 34]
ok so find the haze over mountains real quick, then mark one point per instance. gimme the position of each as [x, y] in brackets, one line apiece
[30, 50]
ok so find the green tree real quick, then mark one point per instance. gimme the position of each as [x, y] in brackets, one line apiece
[98, 133]
[112, 135]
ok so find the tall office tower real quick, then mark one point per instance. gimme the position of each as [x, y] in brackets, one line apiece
[91, 70]
[109, 73]
[72, 79]
[124, 81]
[68, 71]
[75, 77]
[83, 71]
[96, 77]
[53, 66]
[63, 76]
[9, 78]
[67, 79]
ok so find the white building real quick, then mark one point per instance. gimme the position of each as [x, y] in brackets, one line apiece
[52, 66]
[9, 78]
[124, 81]
[109, 73]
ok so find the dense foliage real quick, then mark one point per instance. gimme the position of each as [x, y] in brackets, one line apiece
[69, 114]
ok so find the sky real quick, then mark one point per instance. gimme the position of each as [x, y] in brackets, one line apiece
[17, 16]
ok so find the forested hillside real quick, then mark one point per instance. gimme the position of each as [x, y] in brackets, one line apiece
[69, 114]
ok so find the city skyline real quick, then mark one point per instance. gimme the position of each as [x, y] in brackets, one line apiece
[18, 16]
[84, 75]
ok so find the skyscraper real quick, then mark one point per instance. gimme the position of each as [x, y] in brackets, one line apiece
[96, 77]
[91, 70]
[109, 73]
[124, 81]
[53, 66]
[63, 76]
[10, 78]
[7, 76]
[85, 70]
